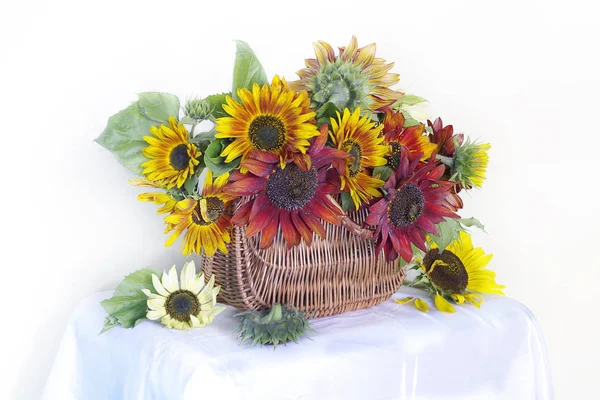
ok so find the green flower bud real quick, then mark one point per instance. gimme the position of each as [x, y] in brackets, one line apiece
[198, 109]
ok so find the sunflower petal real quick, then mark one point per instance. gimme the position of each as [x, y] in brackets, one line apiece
[442, 304]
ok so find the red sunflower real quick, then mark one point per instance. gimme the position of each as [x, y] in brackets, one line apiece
[412, 138]
[293, 198]
[443, 137]
[415, 202]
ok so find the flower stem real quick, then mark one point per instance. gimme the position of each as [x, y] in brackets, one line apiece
[275, 314]
[349, 224]
[449, 161]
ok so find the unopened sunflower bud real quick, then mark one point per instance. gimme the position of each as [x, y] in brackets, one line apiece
[198, 109]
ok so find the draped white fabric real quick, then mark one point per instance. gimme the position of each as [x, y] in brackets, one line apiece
[390, 351]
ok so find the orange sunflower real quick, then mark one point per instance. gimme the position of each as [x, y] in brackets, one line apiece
[204, 221]
[172, 157]
[359, 137]
[411, 138]
[273, 119]
[354, 78]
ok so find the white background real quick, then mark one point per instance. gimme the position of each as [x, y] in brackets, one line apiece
[522, 75]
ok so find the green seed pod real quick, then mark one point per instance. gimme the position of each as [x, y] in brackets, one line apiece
[275, 326]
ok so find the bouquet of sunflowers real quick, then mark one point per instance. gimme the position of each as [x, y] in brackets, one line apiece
[289, 158]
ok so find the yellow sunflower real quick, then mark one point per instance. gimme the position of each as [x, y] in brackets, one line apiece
[354, 78]
[205, 222]
[272, 118]
[470, 163]
[172, 157]
[159, 198]
[359, 137]
[459, 274]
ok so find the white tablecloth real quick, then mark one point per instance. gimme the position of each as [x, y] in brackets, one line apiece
[390, 351]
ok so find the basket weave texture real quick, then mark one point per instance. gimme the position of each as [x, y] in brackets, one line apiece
[331, 276]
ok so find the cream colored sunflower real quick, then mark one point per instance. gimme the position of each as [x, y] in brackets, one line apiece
[192, 304]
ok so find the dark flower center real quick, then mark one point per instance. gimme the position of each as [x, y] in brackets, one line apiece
[181, 304]
[291, 188]
[179, 157]
[356, 152]
[267, 132]
[406, 205]
[449, 273]
[393, 161]
[214, 209]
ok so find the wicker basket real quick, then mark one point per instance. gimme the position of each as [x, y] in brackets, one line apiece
[332, 276]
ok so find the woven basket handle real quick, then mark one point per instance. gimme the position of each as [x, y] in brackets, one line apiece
[349, 224]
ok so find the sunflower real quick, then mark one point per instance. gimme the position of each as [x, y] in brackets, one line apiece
[205, 221]
[458, 273]
[444, 137]
[172, 157]
[166, 200]
[470, 163]
[354, 78]
[359, 137]
[272, 119]
[414, 203]
[191, 305]
[412, 138]
[293, 198]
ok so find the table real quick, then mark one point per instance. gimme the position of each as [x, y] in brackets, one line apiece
[389, 351]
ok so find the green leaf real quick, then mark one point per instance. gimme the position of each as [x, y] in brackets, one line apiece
[216, 102]
[450, 230]
[213, 151]
[188, 120]
[409, 120]
[133, 283]
[128, 304]
[219, 169]
[123, 136]
[326, 112]
[410, 100]
[159, 106]
[203, 136]
[383, 172]
[191, 183]
[247, 70]
[470, 222]
[347, 203]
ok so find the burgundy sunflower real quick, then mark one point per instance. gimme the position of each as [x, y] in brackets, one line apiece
[444, 137]
[397, 136]
[293, 198]
[415, 202]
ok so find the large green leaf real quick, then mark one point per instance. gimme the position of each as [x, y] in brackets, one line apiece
[247, 70]
[127, 306]
[159, 106]
[216, 102]
[123, 136]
